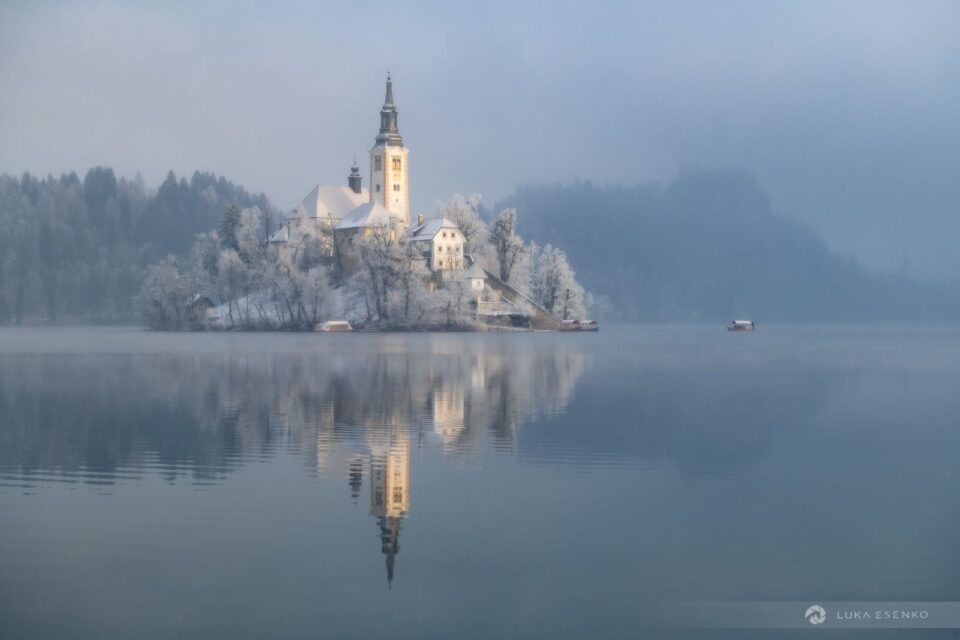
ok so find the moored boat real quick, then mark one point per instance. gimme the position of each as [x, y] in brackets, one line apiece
[333, 325]
[741, 325]
[579, 325]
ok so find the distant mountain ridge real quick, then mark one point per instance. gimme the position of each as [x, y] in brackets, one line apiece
[708, 246]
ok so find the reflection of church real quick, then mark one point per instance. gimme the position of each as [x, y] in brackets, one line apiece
[389, 469]
[361, 418]
[390, 494]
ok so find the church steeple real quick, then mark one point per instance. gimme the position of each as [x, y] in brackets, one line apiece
[389, 183]
[389, 133]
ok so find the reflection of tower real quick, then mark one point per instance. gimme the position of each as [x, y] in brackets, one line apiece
[390, 494]
[324, 436]
[356, 476]
[448, 412]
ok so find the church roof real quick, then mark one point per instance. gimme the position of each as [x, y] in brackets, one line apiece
[430, 228]
[369, 214]
[330, 201]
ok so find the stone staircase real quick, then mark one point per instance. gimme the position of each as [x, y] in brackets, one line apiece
[540, 318]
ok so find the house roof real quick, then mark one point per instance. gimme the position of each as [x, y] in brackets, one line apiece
[327, 201]
[430, 228]
[370, 214]
[280, 235]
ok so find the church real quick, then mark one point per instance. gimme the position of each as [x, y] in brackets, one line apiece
[348, 212]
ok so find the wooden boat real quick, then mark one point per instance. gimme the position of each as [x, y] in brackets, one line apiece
[579, 325]
[333, 325]
[742, 325]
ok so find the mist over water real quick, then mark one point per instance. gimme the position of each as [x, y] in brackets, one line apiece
[159, 485]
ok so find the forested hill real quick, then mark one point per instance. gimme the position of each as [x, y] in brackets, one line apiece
[708, 246]
[73, 248]
[705, 247]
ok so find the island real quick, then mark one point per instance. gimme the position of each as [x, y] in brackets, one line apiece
[355, 254]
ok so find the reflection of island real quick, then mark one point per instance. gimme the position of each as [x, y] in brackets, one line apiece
[201, 417]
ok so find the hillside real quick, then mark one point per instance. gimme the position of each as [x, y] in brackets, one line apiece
[709, 246]
[78, 249]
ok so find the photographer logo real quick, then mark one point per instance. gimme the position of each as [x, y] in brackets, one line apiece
[815, 614]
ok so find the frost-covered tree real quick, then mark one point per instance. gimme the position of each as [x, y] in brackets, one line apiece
[233, 273]
[464, 212]
[228, 228]
[410, 298]
[507, 245]
[165, 298]
[553, 284]
[380, 256]
[318, 298]
[249, 232]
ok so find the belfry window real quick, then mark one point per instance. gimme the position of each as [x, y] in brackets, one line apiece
[378, 189]
[377, 164]
[396, 163]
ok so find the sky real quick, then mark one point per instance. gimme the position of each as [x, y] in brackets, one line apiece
[845, 112]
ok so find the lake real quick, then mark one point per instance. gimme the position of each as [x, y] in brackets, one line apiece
[470, 485]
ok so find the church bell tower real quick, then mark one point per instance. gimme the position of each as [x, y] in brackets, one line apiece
[389, 185]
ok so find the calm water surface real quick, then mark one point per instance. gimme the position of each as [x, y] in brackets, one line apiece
[481, 486]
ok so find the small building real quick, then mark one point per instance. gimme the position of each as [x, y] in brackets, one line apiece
[476, 278]
[441, 242]
[203, 310]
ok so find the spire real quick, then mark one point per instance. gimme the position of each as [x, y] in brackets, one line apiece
[389, 134]
[390, 544]
[388, 100]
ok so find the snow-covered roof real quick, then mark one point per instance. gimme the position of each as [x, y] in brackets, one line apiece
[370, 214]
[475, 273]
[280, 235]
[329, 201]
[430, 228]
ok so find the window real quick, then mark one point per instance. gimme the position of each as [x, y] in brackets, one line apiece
[396, 187]
[396, 164]
[444, 234]
[377, 163]
[378, 189]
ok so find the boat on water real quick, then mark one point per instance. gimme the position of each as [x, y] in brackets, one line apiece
[333, 325]
[742, 325]
[579, 325]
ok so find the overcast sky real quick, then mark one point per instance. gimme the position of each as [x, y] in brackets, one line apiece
[848, 113]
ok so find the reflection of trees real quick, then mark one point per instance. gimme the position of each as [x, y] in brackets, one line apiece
[105, 417]
[702, 419]
[204, 414]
